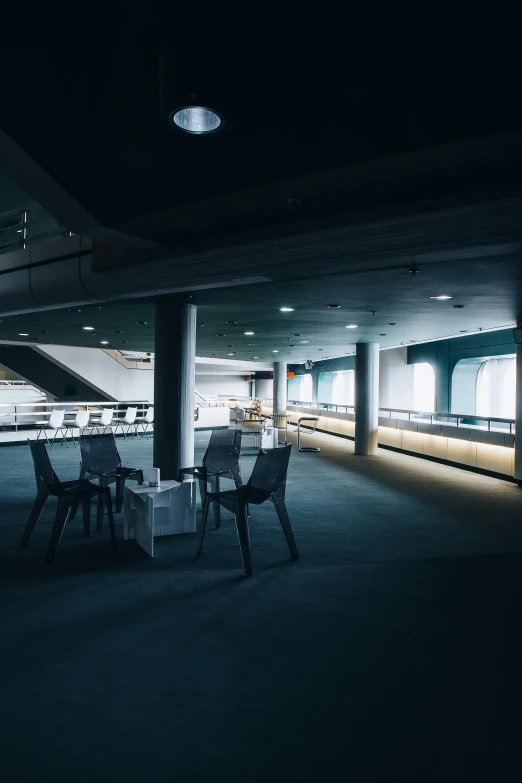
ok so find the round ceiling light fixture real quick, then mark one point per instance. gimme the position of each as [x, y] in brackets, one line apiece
[249, 332]
[351, 326]
[333, 306]
[196, 119]
[287, 309]
[88, 328]
[441, 297]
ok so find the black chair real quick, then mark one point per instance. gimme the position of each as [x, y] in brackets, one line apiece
[221, 460]
[101, 461]
[267, 482]
[70, 494]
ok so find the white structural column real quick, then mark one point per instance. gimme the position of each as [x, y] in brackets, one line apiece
[280, 386]
[366, 398]
[174, 368]
[518, 416]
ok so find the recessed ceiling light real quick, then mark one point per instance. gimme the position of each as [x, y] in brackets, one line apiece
[441, 296]
[287, 309]
[297, 335]
[116, 332]
[229, 345]
[44, 332]
[275, 351]
[382, 334]
[304, 341]
[231, 354]
[142, 323]
[351, 326]
[201, 324]
[196, 119]
[88, 328]
[249, 332]
[256, 357]
[392, 324]
[463, 330]
[23, 334]
[98, 307]
[104, 342]
[458, 307]
[75, 309]
[333, 306]
[124, 341]
[231, 322]
[220, 334]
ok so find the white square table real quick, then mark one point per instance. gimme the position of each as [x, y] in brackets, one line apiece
[167, 510]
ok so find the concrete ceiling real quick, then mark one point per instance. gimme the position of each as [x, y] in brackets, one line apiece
[490, 288]
[331, 196]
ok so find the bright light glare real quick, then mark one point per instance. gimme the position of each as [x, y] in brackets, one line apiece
[442, 296]
[196, 119]
[287, 309]
[351, 326]
[88, 328]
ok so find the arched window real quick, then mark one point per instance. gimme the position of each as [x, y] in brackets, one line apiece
[307, 387]
[423, 387]
[496, 388]
[343, 388]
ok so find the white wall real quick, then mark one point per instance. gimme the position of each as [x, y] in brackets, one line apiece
[395, 379]
[265, 388]
[101, 371]
[210, 385]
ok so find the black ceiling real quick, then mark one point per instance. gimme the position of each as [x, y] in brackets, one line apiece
[99, 126]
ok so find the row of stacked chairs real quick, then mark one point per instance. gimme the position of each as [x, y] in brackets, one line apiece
[129, 424]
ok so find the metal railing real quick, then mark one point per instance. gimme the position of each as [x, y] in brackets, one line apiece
[19, 415]
[453, 419]
[26, 226]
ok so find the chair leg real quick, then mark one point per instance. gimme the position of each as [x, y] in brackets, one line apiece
[236, 476]
[99, 510]
[74, 508]
[216, 505]
[282, 513]
[34, 516]
[86, 515]
[106, 497]
[240, 513]
[204, 516]
[62, 515]
[120, 486]
[140, 477]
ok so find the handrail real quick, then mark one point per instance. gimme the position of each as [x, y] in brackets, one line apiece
[452, 419]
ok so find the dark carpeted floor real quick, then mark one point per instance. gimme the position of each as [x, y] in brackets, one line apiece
[390, 651]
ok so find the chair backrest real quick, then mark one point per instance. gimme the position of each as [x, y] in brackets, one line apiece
[106, 417]
[82, 419]
[149, 416]
[56, 418]
[130, 416]
[223, 450]
[44, 473]
[99, 453]
[269, 472]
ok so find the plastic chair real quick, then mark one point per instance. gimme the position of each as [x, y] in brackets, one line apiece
[221, 460]
[80, 422]
[128, 420]
[70, 494]
[104, 421]
[144, 421]
[267, 482]
[55, 423]
[101, 461]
